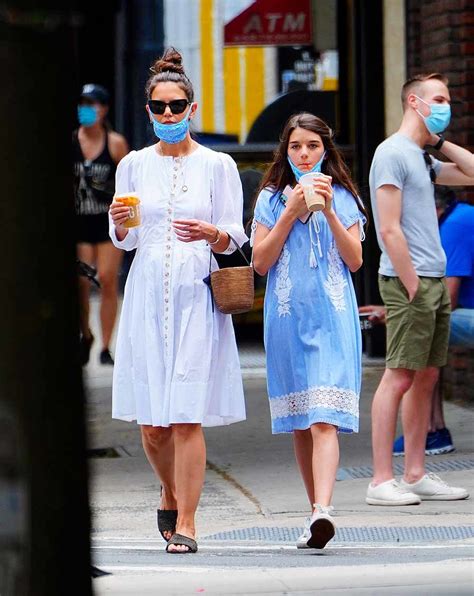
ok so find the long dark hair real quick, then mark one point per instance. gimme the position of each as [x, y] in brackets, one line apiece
[279, 174]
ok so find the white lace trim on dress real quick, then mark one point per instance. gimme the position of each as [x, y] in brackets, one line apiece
[335, 282]
[253, 229]
[302, 402]
[283, 283]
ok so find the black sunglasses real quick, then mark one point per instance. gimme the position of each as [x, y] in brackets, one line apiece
[177, 106]
[429, 163]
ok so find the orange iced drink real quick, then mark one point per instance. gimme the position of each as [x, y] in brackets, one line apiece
[132, 201]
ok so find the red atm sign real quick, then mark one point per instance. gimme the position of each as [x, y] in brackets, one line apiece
[271, 23]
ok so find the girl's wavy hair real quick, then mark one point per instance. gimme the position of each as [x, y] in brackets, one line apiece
[279, 174]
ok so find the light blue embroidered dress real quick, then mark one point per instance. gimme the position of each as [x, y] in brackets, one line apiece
[311, 323]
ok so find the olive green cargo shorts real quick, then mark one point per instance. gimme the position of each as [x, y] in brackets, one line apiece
[417, 331]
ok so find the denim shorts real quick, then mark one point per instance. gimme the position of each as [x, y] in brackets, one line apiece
[417, 331]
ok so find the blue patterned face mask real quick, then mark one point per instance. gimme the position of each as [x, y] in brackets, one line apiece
[87, 115]
[172, 133]
[298, 173]
[439, 118]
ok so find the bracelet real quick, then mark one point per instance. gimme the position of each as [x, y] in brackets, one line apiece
[439, 144]
[217, 239]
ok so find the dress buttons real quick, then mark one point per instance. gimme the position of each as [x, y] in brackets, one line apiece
[167, 274]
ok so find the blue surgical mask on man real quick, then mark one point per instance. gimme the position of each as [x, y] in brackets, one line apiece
[172, 133]
[440, 116]
[298, 173]
[87, 115]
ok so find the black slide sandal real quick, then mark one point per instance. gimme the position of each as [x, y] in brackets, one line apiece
[180, 540]
[166, 519]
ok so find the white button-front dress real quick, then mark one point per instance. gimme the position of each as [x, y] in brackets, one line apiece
[176, 358]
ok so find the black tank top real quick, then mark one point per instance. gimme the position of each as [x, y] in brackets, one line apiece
[94, 180]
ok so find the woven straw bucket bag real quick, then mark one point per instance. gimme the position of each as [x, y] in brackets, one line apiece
[232, 288]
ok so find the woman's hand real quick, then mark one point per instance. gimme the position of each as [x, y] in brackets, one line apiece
[296, 204]
[322, 185]
[119, 214]
[191, 230]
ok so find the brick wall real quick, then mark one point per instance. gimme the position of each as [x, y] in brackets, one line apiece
[440, 38]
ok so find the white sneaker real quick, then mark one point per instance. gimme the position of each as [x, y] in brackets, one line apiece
[305, 536]
[390, 493]
[322, 527]
[431, 488]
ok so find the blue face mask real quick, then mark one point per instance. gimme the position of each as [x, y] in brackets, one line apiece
[172, 133]
[298, 173]
[439, 118]
[87, 115]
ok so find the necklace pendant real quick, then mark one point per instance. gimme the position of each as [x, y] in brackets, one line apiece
[184, 188]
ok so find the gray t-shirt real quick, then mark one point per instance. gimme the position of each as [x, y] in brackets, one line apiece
[399, 161]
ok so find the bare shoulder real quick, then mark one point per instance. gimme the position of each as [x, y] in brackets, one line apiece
[118, 146]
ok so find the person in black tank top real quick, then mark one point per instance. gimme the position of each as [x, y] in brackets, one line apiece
[96, 152]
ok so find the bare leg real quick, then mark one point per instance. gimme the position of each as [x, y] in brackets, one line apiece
[109, 260]
[416, 411]
[325, 461]
[158, 445]
[437, 412]
[190, 469]
[303, 445]
[394, 383]
[85, 253]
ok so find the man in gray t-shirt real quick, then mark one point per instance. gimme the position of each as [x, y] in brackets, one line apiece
[399, 162]
[412, 286]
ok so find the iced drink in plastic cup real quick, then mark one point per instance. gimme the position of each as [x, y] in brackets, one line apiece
[132, 201]
[314, 200]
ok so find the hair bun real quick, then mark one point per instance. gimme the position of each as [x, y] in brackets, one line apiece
[171, 61]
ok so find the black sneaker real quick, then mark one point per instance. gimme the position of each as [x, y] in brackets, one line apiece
[85, 344]
[106, 357]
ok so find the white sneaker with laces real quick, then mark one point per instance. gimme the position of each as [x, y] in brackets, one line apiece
[322, 527]
[431, 488]
[390, 493]
[302, 541]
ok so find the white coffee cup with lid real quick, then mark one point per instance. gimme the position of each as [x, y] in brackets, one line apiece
[314, 200]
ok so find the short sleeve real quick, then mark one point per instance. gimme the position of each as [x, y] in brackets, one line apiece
[388, 167]
[458, 254]
[347, 209]
[227, 201]
[125, 182]
[264, 213]
[436, 165]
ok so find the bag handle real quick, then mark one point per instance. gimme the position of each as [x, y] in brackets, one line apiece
[236, 246]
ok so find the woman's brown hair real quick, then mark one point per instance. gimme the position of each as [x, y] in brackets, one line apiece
[169, 69]
[280, 174]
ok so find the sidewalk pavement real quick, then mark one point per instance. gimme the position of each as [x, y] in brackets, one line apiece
[254, 499]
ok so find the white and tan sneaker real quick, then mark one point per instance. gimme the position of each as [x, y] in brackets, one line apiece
[431, 488]
[302, 541]
[390, 494]
[322, 527]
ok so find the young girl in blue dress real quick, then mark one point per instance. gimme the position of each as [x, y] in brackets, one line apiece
[311, 325]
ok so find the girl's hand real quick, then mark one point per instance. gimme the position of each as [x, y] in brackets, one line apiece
[322, 185]
[119, 214]
[191, 230]
[296, 204]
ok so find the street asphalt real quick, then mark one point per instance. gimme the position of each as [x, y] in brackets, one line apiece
[253, 507]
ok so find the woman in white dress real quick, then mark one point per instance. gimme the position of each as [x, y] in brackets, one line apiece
[177, 367]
